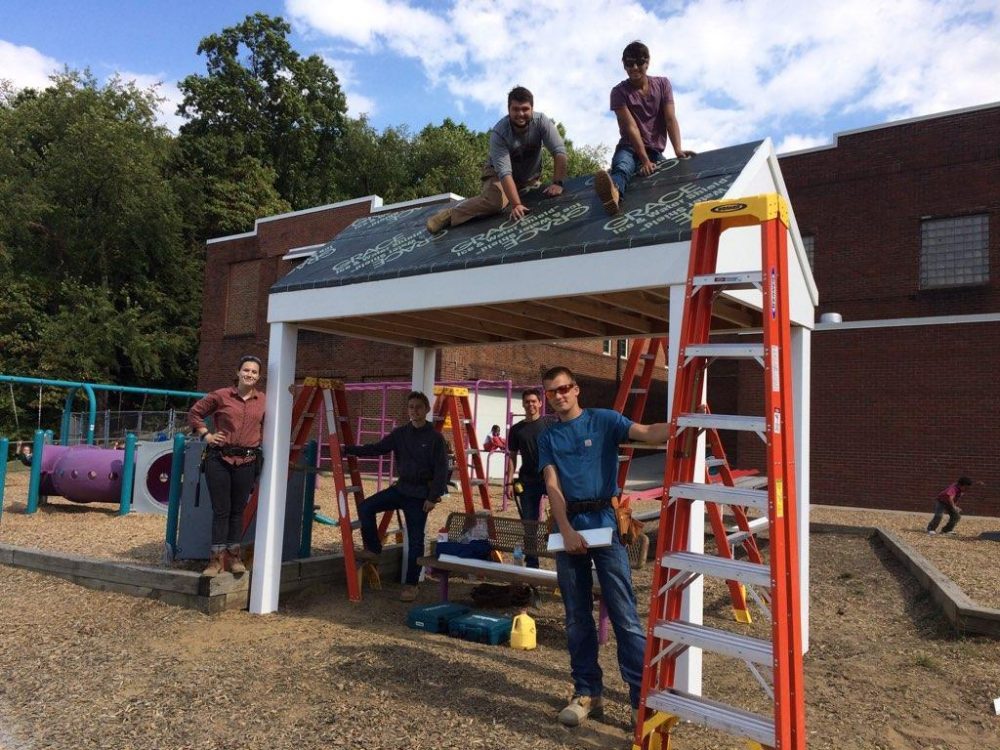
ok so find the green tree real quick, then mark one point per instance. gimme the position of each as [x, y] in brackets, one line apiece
[98, 280]
[260, 101]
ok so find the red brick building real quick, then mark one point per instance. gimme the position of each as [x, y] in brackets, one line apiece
[902, 221]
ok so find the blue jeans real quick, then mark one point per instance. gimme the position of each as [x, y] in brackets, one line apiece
[531, 498]
[416, 520]
[940, 509]
[624, 165]
[576, 587]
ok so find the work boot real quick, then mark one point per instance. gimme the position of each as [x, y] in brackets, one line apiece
[607, 191]
[217, 563]
[581, 707]
[234, 561]
[408, 594]
[439, 221]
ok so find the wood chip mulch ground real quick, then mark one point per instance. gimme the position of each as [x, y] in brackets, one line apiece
[89, 669]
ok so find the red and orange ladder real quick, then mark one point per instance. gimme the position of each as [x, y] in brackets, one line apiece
[329, 397]
[645, 353]
[669, 633]
[453, 412]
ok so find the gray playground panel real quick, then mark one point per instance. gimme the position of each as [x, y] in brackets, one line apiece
[194, 525]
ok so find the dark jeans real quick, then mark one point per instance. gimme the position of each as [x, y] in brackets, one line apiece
[576, 584]
[413, 513]
[531, 498]
[229, 487]
[940, 508]
[625, 165]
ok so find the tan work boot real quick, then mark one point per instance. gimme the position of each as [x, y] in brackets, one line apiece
[580, 708]
[439, 221]
[216, 565]
[408, 594]
[607, 191]
[234, 561]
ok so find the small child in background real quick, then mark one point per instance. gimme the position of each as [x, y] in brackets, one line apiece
[947, 502]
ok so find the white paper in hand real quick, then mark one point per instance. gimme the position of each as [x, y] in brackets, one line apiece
[593, 537]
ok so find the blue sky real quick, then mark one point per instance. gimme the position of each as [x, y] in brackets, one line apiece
[798, 72]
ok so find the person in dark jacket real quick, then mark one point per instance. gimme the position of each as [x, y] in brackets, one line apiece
[421, 459]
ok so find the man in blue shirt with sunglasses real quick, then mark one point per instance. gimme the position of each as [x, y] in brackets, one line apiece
[578, 456]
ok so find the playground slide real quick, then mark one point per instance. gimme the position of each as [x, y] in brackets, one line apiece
[82, 473]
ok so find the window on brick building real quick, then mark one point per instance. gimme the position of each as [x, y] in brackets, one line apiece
[610, 346]
[809, 245]
[241, 298]
[954, 251]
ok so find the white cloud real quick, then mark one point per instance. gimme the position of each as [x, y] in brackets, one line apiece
[168, 92]
[26, 67]
[742, 69]
[357, 103]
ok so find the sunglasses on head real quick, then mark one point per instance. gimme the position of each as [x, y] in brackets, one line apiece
[562, 390]
[250, 358]
[634, 62]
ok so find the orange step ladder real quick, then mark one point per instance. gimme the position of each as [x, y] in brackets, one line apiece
[669, 633]
[453, 413]
[320, 395]
[644, 352]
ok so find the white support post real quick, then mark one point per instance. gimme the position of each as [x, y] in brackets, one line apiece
[801, 365]
[274, 480]
[424, 366]
[688, 674]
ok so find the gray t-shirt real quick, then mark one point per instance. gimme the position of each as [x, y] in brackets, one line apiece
[519, 153]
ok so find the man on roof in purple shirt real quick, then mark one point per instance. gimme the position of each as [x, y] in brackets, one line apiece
[644, 106]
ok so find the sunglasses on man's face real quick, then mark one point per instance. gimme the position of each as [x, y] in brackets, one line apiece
[634, 62]
[562, 390]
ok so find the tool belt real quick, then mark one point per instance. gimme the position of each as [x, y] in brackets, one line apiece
[585, 506]
[237, 451]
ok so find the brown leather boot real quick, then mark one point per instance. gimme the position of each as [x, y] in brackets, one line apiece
[216, 564]
[234, 561]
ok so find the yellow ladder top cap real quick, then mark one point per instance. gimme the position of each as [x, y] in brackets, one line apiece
[739, 212]
[447, 390]
[337, 385]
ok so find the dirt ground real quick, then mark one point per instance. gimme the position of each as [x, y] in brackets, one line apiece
[87, 669]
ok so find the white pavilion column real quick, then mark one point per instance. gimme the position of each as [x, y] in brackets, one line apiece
[688, 674]
[801, 367]
[424, 366]
[274, 479]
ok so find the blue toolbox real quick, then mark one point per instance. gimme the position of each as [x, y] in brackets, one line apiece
[481, 628]
[434, 618]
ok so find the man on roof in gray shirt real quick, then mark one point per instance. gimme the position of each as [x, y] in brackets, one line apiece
[514, 163]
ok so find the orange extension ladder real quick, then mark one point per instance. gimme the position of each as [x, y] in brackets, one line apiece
[669, 634]
[329, 396]
[453, 412]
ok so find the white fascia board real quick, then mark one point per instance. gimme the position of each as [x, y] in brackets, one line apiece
[739, 248]
[374, 200]
[610, 271]
[439, 198]
[938, 320]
